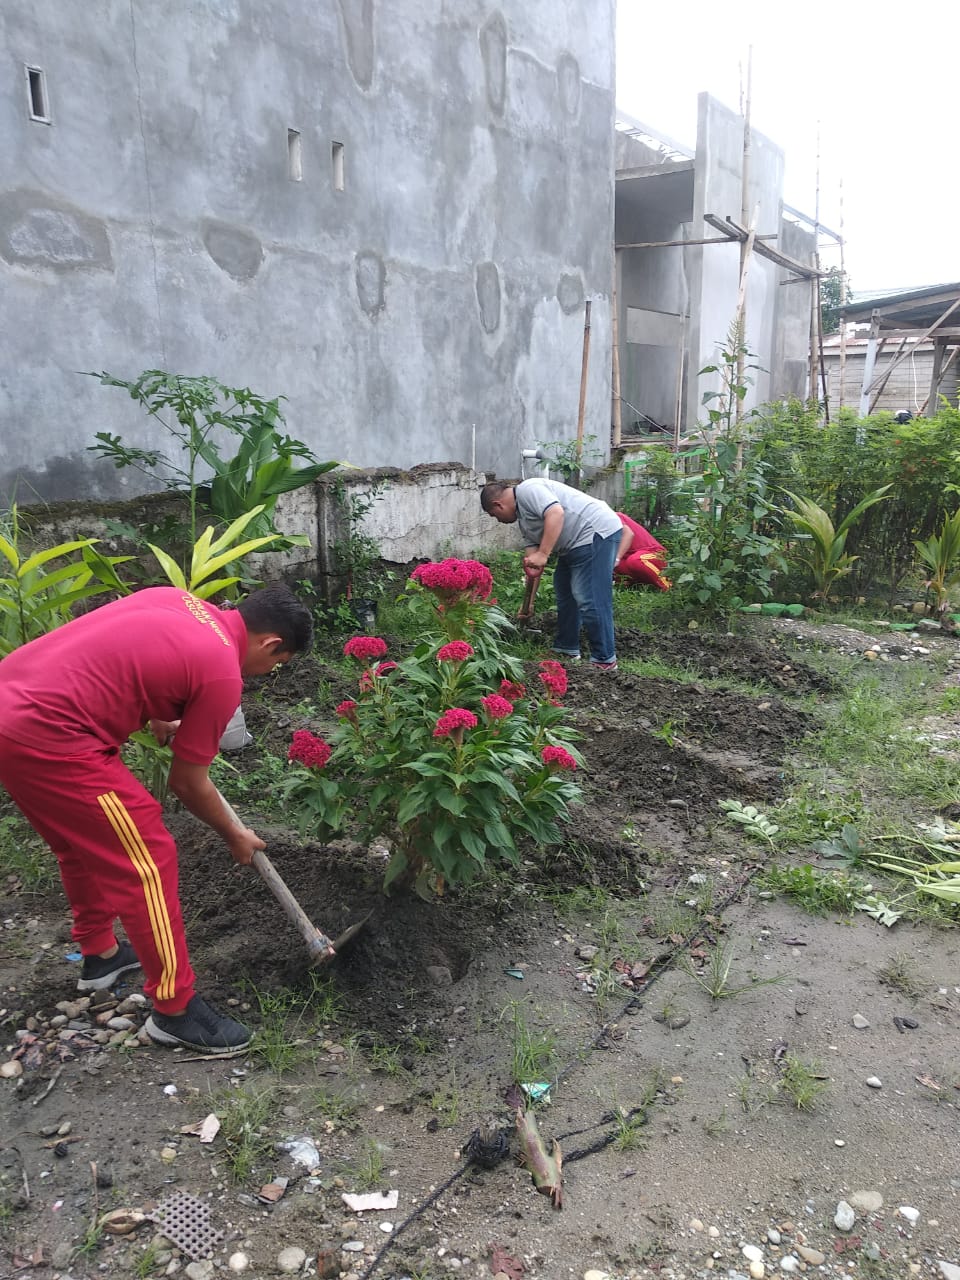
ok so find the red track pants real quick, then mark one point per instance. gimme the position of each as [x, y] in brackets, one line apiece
[117, 859]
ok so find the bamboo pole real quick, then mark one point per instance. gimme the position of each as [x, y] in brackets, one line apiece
[616, 409]
[746, 246]
[584, 365]
[843, 302]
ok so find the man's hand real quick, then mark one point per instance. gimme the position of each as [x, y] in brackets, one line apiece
[243, 844]
[534, 561]
[163, 730]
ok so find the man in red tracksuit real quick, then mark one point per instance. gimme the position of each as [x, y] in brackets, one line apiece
[640, 557]
[68, 702]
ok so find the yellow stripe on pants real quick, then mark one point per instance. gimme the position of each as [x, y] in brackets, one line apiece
[138, 853]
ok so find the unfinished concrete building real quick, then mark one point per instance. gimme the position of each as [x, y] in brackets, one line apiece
[680, 225]
[392, 213]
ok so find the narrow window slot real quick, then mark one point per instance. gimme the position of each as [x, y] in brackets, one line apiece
[336, 155]
[37, 94]
[294, 155]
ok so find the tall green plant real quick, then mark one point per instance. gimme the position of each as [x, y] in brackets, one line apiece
[195, 413]
[724, 551]
[826, 557]
[210, 555]
[35, 597]
[940, 554]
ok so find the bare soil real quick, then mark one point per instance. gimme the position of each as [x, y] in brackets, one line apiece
[668, 1104]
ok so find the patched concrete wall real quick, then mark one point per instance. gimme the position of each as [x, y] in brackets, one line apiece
[182, 209]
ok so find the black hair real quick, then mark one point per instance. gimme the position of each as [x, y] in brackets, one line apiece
[491, 492]
[276, 609]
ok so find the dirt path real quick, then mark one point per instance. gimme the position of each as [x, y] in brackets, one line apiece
[677, 1112]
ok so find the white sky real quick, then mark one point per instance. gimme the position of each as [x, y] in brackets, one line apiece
[879, 81]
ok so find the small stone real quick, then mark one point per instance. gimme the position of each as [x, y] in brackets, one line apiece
[713, 1233]
[757, 1270]
[860, 1022]
[170, 1090]
[168, 1155]
[911, 1214]
[812, 1256]
[773, 1235]
[696, 1224]
[789, 1264]
[596, 1275]
[873, 1082]
[948, 1270]
[291, 1259]
[839, 1142]
[844, 1217]
[120, 1024]
[386, 1227]
[587, 952]
[12, 1069]
[198, 1270]
[238, 1262]
[867, 1201]
[352, 1246]
[752, 1252]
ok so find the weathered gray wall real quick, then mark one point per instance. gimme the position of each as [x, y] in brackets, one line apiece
[154, 223]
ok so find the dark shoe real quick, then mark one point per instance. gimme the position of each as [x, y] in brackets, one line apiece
[199, 1027]
[98, 975]
[604, 666]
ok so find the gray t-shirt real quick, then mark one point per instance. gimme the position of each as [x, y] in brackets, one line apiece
[583, 516]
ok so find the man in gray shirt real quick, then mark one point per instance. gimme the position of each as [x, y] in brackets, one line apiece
[585, 535]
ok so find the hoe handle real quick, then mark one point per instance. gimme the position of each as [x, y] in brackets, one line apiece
[317, 943]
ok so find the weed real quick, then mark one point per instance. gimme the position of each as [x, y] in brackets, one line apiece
[386, 1058]
[367, 1171]
[25, 861]
[751, 820]
[629, 1126]
[715, 979]
[533, 1052]
[718, 1125]
[445, 1103]
[672, 919]
[818, 892]
[666, 732]
[901, 973]
[336, 1107]
[146, 1264]
[801, 1082]
[242, 1121]
[90, 1241]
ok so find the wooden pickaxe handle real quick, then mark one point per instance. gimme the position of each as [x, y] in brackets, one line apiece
[317, 943]
[529, 595]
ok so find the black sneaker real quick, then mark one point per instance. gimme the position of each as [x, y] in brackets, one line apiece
[98, 975]
[199, 1027]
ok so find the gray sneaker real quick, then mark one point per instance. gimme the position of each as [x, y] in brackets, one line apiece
[99, 975]
[199, 1027]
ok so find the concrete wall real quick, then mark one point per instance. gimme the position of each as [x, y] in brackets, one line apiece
[157, 221]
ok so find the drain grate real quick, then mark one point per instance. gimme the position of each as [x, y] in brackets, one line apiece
[186, 1221]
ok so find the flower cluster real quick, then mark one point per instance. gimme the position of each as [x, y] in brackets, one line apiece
[384, 668]
[512, 690]
[307, 749]
[457, 718]
[455, 651]
[455, 577]
[553, 677]
[365, 648]
[497, 708]
[347, 710]
[558, 756]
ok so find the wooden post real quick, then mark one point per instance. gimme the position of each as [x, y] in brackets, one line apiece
[935, 385]
[746, 246]
[936, 377]
[869, 365]
[616, 409]
[584, 365]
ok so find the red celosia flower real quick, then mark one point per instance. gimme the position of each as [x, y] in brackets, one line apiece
[365, 648]
[365, 682]
[455, 651]
[452, 720]
[558, 756]
[513, 690]
[455, 577]
[347, 710]
[384, 668]
[306, 748]
[496, 707]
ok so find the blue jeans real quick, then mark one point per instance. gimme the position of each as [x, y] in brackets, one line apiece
[583, 583]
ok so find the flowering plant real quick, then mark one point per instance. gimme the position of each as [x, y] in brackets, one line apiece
[444, 751]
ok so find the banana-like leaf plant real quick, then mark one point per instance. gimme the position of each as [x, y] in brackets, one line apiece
[941, 554]
[210, 555]
[825, 555]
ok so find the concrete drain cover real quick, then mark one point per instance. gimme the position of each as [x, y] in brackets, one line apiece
[186, 1221]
